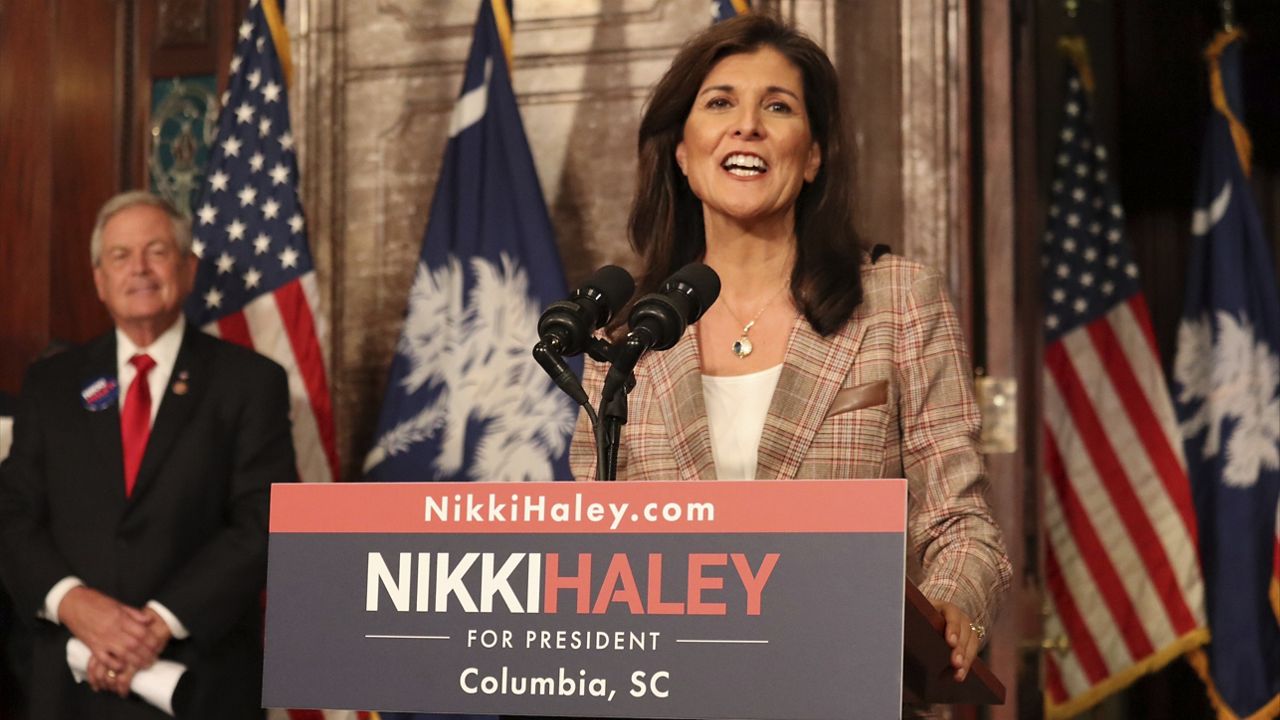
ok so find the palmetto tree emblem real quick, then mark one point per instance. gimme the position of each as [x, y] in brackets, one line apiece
[475, 351]
[1236, 378]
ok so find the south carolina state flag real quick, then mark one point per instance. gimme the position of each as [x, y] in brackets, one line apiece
[1226, 382]
[465, 399]
[725, 9]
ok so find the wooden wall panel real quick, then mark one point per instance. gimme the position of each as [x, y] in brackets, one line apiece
[86, 159]
[75, 80]
[1005, 304]
[25, 211]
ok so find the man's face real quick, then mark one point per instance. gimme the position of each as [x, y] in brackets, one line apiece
[142, 277]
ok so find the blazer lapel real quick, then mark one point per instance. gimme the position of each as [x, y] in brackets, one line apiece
[813, 371]
[187, 384]
[103, 425]
[678, 372]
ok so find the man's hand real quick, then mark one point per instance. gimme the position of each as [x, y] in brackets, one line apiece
[964, 637]
[103, 680]
[120, 636]
[159, 630]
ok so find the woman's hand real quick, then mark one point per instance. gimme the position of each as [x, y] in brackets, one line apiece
[963, 635]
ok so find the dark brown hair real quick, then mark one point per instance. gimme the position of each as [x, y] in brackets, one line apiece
[666, 224]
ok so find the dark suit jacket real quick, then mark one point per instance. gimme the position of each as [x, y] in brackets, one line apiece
[193, 536]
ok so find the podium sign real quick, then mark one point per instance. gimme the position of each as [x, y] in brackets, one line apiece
[659, 600]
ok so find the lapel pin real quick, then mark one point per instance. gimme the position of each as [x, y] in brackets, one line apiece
[99, 394]
[180, 386]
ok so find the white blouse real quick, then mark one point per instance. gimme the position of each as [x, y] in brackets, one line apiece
[736, 410]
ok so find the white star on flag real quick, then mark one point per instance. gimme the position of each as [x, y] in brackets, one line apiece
[225, 263]
[252, 278]
[247, 195]
[235, 230]
[213, 298]
[288, 258]
[218, 180]
[231, 146]
[244, 113]
[270, 209]
[271, 92]
[207, 214]
[261, 244]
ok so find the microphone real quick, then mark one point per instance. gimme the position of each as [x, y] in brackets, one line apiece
[566, 326]
[658, 320]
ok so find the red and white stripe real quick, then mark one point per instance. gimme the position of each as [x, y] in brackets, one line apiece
[1121, 566]
[285, 327]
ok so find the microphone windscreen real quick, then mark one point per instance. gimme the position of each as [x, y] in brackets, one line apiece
[614, 284]
[702, 287]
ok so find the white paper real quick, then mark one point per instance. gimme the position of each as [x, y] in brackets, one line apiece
[154, 684]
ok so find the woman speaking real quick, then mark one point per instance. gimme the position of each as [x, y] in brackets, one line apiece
[820, 359]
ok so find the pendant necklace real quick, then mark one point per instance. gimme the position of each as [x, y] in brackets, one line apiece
[742, 347]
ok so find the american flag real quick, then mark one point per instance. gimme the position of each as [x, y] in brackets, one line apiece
[1121, 570]
[256, 285]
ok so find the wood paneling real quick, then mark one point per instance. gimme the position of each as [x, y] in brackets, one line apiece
[58, 121]
[86, 157]
[1004, 261]
[75, 81]
[25, 209]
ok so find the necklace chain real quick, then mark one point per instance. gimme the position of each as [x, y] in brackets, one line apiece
[742, 347]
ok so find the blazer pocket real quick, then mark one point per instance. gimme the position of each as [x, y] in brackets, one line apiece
[859, 397]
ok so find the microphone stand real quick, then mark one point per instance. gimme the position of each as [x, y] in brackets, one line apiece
[613, 415]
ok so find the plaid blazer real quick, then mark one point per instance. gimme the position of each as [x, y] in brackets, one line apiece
[887, 396]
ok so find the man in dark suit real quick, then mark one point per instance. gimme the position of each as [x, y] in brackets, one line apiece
[133, 505]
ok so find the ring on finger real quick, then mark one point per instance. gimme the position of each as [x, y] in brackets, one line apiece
[979, 630]
[111, 674]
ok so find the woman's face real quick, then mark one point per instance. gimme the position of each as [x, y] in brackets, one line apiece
[747, 149]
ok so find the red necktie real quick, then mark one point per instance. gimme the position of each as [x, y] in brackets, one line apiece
[135, 421]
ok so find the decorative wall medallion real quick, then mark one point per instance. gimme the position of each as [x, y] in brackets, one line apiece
[184, 122]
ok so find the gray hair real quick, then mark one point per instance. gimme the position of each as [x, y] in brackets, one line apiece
[132, 198]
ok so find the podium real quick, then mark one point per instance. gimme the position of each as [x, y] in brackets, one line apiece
[927, 675]
[752, 600]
